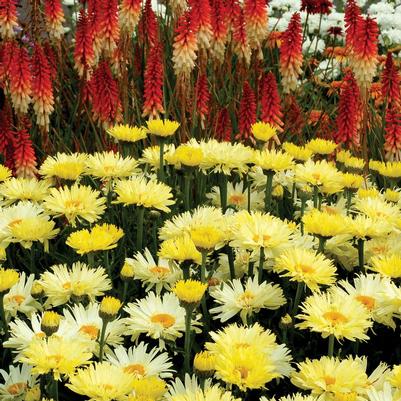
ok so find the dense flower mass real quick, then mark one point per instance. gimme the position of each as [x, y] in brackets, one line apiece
[200, 200]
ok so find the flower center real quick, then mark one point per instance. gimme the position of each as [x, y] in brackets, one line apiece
[163, 319]
[90, 330]
[18, 299]
[242, 345]
[316, 176]
[56, 359]
[304, 268]
[16, 388]
[160, 270]
[67, 285]
[329, 380]
[243, 371]
[236, 199]
[246, 299]
[335, 317]
[136, 369]
[368, 302]
[265, 238]
[107, 387]
[14, 222]
[73, 204]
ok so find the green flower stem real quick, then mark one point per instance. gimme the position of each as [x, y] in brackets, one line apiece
[161, 161]
[187, 188]
[107, 264]
[349, 200]
[250, 268]
[249, 198]
[139, 228]
[261, 263]
[330, 348]
[298, 295]
[230, 255]
[187, 344]
[315, 196]
[303, 204]
[223, 191]
[268, 190]
[322, 242]
[125, 290]
[54, 386]
[203, 267]
[3, 316]
[102, 340]
[205, 311]
[361, 251]
[185, 270]
[247, 185]
[91, 259]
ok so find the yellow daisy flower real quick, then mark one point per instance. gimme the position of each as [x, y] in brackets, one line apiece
[163, 128]
[8, 278]
[319, 174]
[180, 249]
[325, 224]
[109, 165]
[101, 381]
[390, 169]
[306, 266]
[78, 202]
[56, 355]
[331, 313]
[321, 146]
[5, 173]
[329, 378]
[352, 181]
[16, 189]
[139, 191]
[100, 238]
[189, 291]
[388, 265]
[63, 165]
[300, 153]
[247, 368]
[272, 160]
[188, 155]
[263, 131]
[61, 283]
[225, 157]
[127, 133]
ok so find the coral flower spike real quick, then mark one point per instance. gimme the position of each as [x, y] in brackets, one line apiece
[291, 54]
[8, 18]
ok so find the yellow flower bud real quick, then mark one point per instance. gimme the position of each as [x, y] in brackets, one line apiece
[189, 292]
[50, 322]
[109, 308]
[204, 363]
[127, 271]
[8, 278]
[206, 238]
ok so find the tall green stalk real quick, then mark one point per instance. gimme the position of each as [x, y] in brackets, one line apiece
[3, 316]
[330, 347]
[161, 160]
[187, 344]
[268, 189]
[102, 339]
[261, 263]
[139, 228]
[223, 191]
[361, 256]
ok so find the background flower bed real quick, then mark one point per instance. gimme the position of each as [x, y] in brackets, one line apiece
[267, 187]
